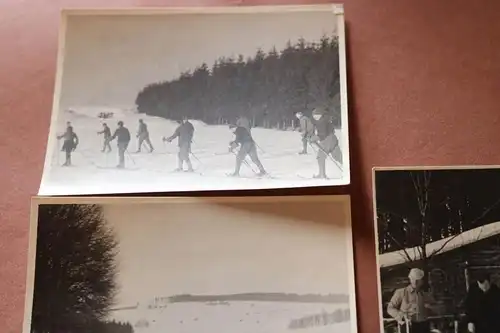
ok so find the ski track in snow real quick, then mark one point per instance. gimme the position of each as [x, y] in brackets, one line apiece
[230, 317]
[93, 172]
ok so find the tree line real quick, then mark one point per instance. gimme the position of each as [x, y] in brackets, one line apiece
[76, 270]
[268, 88]
[419, 207]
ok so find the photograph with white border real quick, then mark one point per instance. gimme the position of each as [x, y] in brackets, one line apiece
[192, 265]
[198, 99]
[438, 248]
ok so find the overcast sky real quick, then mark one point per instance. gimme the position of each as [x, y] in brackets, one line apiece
[214, 249]
[109, 59]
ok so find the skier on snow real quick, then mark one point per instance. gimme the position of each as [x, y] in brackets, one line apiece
[122, 136]
[143, 135]
[184, 132]
[244, 140]
[306, 129]
[325, 139]
[70, 143]
[68, 125]
[107, 135]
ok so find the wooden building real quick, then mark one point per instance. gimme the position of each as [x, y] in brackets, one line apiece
[450, 266]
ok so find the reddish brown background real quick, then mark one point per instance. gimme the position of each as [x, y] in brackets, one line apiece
[424, 87]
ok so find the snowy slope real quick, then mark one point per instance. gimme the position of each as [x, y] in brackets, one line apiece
[93, 172]
[441, 246]
[230, 317]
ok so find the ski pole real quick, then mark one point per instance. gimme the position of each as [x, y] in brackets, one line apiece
[130, 156]
[196, 158]
[260, 148]
[337, 164]
[244, 161]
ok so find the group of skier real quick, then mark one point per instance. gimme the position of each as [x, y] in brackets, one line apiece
[317, 132]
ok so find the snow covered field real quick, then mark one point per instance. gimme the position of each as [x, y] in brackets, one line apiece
[94, 172]
[230, 317]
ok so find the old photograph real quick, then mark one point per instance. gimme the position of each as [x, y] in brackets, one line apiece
[195, 99]
[438, 239]
[156, 265]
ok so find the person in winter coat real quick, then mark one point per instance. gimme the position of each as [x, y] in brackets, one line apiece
[70, 143]
[143, 135]
[244, 140]
[122, 135]
[324, 139]
[106, 132]
[185, 133]
[482, 306]
[244, 122]
[68, 125]
[413, 305]
[306, 129]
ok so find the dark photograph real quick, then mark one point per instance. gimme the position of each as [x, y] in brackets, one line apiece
[200, 99]
[438, 238]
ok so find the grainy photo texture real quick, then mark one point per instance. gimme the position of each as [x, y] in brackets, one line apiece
[199, 99]
[439, 249]
[191, 265]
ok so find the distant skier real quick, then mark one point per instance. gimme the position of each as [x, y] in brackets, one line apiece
[184, 132]
[68, 125]
[244, 122]
[306, 129]
[107, 135]
[122, 136]
[143, 135]
[244, 140]
[70, 143]
[324, 139]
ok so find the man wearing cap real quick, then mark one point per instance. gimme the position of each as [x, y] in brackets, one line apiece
[412, 304]
[325, 139]
[482, 306]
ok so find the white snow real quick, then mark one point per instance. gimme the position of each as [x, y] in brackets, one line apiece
[440, 246]
[93, 172]
[230, 317]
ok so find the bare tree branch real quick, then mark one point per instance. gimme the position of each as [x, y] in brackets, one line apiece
[485, 212]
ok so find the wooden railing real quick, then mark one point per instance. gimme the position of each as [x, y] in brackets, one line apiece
[447, 318]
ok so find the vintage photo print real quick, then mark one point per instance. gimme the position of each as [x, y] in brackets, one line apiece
[168, 100]
[255, 264]
[438, 240]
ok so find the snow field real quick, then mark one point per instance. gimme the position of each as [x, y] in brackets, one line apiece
[230, 317]
[94, 172]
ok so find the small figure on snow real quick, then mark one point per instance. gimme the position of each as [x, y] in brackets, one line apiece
[122, 135]
[70, 143]
[244, 122]
[107, 135]
[306, 129]
[68, 125]
[143, 135]
[244, 140]
[324, 139]
[184, 132]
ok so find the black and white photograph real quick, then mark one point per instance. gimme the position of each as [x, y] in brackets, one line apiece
[438, 249]
[156, 265]
[198, 99]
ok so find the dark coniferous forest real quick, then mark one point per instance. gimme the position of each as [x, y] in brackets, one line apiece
[268, 88]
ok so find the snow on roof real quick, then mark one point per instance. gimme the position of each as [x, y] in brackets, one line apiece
[441, 246]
